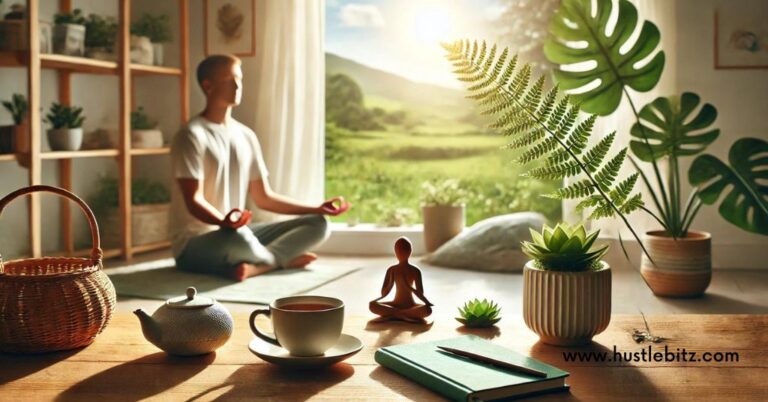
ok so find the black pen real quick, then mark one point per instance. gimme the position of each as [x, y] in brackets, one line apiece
[494, 362]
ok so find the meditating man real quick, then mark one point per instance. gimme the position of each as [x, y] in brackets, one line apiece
[406, 279]
[217, 163]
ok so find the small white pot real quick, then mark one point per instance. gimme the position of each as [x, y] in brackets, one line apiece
[442, 223]
[566, 308]
[157, 52]
[69, 39]
[146, 138]
[65, 139]
[141, 50]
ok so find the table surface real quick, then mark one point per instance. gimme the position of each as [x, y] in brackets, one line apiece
[121, 365]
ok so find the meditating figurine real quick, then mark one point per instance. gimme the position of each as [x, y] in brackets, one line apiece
[407, 280]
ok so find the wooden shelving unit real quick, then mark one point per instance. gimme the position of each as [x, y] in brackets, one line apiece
[65, 66]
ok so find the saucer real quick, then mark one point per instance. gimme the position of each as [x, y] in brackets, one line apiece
[347, 346]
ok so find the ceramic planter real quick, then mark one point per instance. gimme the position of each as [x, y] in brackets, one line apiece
[146, 139]
[149, 224]
[683, 267]
[69, 39]
[65, 139]
[157, 54]
[442, 223]
[141, 50]
[566, 308]
[13, 35]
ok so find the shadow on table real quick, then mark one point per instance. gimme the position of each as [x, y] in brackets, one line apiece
[711, 303]
[390, 331]
[257, 381]
[163, 371]
[403, 386]
[485, 333]
[17, 366]
[597, 380]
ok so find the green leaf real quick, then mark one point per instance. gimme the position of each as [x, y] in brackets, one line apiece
[670, 131]
[573, 22]
[746, 205]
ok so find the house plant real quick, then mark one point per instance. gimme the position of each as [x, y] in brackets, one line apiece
[69, 33]
[157, 29]
[11, 136]
[100, 37]
[66, 132]
[442, 204]
[479, 313]
[678, 261]
[13, 36]
[566, 285]
[149, 214]
[144, 133]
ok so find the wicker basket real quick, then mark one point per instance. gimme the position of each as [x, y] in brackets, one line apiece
[49, 304]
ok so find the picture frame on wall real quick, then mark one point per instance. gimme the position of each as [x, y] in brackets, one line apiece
[741, 36]
[229, 27]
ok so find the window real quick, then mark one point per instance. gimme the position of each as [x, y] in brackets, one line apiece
[396, 117]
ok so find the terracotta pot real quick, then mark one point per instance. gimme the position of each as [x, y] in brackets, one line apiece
[683, 266]
[65, 139]
[566, 308]
[442, 223]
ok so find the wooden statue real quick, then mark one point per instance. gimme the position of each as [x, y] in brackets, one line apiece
[406, 278]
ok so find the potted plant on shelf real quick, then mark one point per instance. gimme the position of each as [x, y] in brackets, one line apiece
[13, 35]
[144, 133]
[678, 260]
[149, 214]
[442, 204]
[100, 37]
[12, 137]
[157, 29]
[566, 285]
[69, 33]
[66, 132]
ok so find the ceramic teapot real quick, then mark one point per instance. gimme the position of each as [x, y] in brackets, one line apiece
[187, 325]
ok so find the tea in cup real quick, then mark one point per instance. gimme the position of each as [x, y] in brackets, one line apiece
[303, 325]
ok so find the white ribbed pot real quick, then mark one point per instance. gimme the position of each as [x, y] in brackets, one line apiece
[683, 267]
[442, 223]
[65, 139]
[566, 308]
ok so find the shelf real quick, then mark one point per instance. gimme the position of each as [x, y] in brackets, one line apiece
[12, 59]
[77, 64]
[108, 253]
[91, 153]
[7, 157]
[141, 69]
[150, 151]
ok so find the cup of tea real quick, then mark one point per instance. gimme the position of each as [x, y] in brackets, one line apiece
[303, 325]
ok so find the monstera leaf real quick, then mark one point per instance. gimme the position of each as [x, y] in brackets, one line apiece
[746, 205]
[670, 132]
[607, 64]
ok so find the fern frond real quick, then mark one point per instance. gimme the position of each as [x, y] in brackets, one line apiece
[579, 137]
[549, 101]
[622, 191]
[526, 139]
[594, 157]
[579, 189]
[520, 82]
[633, 203]
[608, 173]
[537, 151]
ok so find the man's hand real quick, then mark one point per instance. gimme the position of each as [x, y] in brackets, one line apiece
[236, 218]
[330, 206]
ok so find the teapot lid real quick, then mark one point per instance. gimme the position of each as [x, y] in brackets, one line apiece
[191, 300]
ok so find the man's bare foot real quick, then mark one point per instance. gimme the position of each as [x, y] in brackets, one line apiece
[245, 270]
[301, 261]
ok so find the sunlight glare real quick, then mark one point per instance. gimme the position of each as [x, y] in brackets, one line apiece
[432, 23]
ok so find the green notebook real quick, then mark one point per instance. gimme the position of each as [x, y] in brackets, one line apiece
[461, 379]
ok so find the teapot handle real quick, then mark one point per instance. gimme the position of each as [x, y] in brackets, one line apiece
[256, 331]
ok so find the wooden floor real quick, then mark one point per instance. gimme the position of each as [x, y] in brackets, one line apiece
[731, 292]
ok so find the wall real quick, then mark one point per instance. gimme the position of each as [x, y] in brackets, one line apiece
[741, 98]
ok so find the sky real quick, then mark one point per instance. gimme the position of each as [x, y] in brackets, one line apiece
[404, 36]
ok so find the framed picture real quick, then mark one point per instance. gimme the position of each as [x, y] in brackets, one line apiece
[741, 35]
[229, 27]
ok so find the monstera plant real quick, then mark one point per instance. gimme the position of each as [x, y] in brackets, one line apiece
[666, 129]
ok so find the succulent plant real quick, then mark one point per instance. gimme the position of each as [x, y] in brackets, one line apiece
[17, 107]
[479, 313]
[564, 248]
[63, 116]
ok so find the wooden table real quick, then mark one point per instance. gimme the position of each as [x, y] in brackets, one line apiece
[121, 365]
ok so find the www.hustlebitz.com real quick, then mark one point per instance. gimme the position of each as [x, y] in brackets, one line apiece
[650, 354]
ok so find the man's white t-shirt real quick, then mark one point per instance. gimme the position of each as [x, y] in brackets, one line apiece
[225, 158]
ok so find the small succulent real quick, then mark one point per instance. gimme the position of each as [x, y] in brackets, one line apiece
[141, 121]
[63, 116]
[443, 193]
[17, 107]
[564, 248]
[479, 313]
[75, 17]
[156, 27]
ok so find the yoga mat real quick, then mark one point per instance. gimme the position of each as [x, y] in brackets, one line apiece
[161, 280]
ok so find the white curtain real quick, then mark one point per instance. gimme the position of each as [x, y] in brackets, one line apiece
[661, 13]
[288, 77]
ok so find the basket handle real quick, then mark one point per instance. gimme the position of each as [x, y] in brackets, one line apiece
[96, 253]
